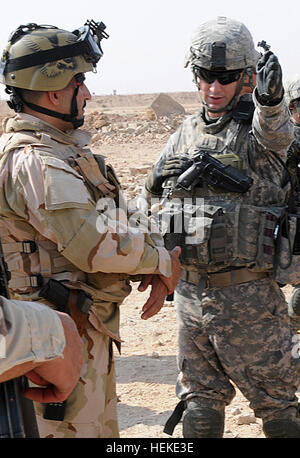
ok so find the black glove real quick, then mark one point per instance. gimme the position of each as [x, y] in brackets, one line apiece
[163, 170]
[269, 80]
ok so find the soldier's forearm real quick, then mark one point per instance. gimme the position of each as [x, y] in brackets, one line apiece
[17, 371]
[272, 126]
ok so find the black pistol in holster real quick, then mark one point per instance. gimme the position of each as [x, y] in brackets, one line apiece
[214, 173]
[77, 304]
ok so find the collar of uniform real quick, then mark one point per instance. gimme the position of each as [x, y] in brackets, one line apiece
[218, 125]
[23, 121]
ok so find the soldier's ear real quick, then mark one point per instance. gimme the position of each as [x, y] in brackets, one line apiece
[53, 97]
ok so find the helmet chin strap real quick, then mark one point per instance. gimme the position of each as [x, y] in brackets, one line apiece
[16, 103]
[246, 73]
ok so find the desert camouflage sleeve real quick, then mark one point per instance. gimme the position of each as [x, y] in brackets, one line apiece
[272, 126]
[53, 198]
[29, 331]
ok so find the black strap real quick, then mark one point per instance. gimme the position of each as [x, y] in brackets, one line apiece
[175, 418]
[46, 111]
[71, 117]
[218, 55]
[43, 57]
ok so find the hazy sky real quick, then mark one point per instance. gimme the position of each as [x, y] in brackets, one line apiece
[149, 39]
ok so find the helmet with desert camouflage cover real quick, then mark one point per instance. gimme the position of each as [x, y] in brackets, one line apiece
[293, 94]
[46, 58]
[222, 44]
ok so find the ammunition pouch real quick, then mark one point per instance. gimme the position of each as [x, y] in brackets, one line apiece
[287, 265]
[74, 302]
[222, 234]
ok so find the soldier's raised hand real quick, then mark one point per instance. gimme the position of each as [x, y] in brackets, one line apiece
[269, 80]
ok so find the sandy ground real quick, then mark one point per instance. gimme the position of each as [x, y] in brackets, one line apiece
[146, 377]
[128, 133]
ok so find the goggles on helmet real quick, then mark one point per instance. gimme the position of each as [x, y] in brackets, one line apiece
[86, 45]
[224, 77]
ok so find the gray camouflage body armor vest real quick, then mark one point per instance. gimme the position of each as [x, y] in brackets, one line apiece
[231, 230]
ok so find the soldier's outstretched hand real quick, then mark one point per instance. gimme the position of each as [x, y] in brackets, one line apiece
[156, 299]
[269, 80]
[171, 282]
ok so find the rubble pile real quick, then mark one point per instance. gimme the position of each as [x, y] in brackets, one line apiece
[158, 121]
[133, 180]
[107, 128]
[132, 139]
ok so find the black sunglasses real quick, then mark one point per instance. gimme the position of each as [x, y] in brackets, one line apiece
[224, 77]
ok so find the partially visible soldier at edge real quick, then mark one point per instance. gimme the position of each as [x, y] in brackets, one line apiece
[59, 248]
[232, 315]
[42, 344]
[293, 161]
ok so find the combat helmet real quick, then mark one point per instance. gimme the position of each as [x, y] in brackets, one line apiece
[46, 58]
[293, 94]
[223, 44]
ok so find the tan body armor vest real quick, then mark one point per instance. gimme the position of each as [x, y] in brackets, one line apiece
[33, 259]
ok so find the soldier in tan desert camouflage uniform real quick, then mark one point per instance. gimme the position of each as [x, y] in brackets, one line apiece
[232, 316]
[62, 240]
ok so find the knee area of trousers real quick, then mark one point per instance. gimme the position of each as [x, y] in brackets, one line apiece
[203, 422]
[294, 303]
[282, 428]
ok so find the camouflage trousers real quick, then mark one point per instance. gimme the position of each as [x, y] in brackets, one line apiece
[240, 334]
[92, 406]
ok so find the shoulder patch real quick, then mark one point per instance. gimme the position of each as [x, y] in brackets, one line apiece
[64, 187]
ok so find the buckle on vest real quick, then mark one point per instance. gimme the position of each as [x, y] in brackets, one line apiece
[84, 302]
[29, 246]
[36, 280]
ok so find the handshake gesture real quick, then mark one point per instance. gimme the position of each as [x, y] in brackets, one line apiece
[160, 286]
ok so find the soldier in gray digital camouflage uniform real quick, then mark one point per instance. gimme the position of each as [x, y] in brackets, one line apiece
[64, 241]
[293, 101]
[233, 326]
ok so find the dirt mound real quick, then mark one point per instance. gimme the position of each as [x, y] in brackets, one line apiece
[164, 105]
